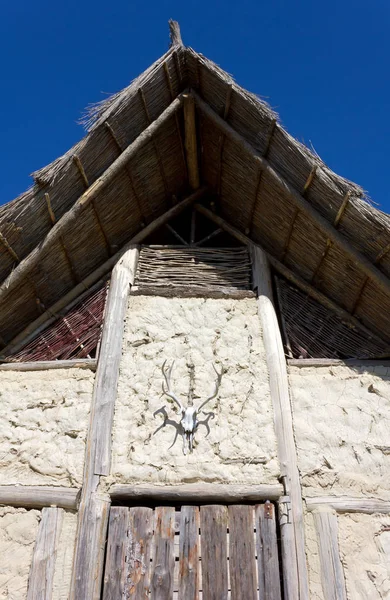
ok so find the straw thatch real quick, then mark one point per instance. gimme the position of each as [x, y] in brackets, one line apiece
[50, 241]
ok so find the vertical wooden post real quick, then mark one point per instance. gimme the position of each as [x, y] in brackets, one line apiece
[40, 583]
[190, 142]
[94, 506]
[294, 564]
[332, 575]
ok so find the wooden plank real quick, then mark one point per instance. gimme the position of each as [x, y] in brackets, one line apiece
[44, 365]
[107, 374]
[90, 546]
[164, 557]
[349, 504]
[38, 496]
[191, 492]
[181, 291]
[295, 568]
[267, 552]
[40, 584]
[330, 362]
[115, 567]
[73, 296]
[189, 553]
[242, 561]
[332, 574]
[361, 261]
[139, 551]
[213, 528]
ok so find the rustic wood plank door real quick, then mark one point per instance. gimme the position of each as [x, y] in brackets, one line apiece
[213, 552]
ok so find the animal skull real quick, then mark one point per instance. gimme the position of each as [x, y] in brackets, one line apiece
[189, 421]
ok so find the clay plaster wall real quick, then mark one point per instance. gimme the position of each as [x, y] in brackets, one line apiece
[241, 445]
[18, 531]
[43, 425]
[364, 542]
[341, 426]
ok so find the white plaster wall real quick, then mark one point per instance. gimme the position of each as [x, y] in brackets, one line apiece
[18, 531]
[341, 426]
[241, 446]
[43, 426]
[364, 542]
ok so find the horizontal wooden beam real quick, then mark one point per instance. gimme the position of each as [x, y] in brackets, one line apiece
[290, 276]
[181, 291]
[300, 202]
[334, 362]
[71, 217]
[37, 496]
[348, 504]
[194, 492]
[94, 278]
[43, 365]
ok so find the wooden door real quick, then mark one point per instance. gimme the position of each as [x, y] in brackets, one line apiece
[213, 552]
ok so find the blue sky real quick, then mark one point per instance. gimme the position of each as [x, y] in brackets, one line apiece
[324, 66]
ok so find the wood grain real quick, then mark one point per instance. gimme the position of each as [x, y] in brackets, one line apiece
[242, 563]
[349, 504]
[139, 551]
[164, 557]
[40, 584]
[115, 567]
[267, 553]
[37, 496]
[213, 527]
[189, 553]
[192, 492]
[332, 574]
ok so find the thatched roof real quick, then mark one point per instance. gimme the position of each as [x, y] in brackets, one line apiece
[131, 167]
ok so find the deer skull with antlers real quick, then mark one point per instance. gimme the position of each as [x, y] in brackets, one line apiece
[189, 421]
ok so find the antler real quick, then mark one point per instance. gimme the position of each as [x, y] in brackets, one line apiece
[216, 389]
[167, 390]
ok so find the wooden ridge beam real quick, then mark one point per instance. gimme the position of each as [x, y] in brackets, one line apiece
[95, 278]
[365, 265]
[193, 492]
[38, 496]
[290, 276]
[71, 217]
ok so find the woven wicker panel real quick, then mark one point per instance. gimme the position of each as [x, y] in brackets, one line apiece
[75, 335]
[316, 332]
[211, 268]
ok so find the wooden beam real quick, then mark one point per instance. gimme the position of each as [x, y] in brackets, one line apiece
[183, 291]
[107, 373]
[94, 278]
[295, 569]
[38, 496]
[192, 492]
[71, 217]
[331, 362]
[94, 506]
[49, 209]
[332, 574]
[43, 365]
[40, 583]
[327, 228]
[347, 504]
[295, 279]
[190, 142]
